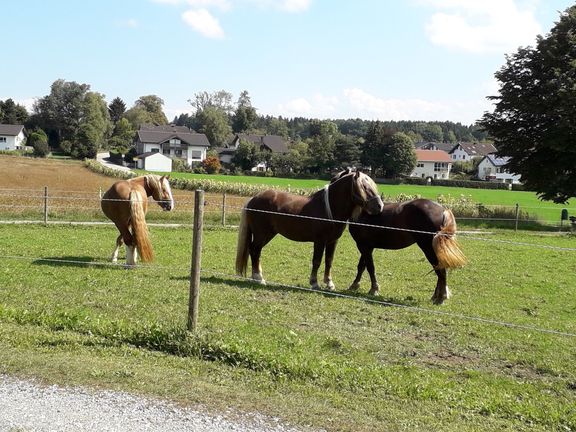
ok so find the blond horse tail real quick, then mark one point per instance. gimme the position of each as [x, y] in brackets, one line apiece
[139, 228]
[445, 245]
[244, 238]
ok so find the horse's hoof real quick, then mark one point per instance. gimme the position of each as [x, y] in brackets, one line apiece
[438, 300]
[330, 286]
[374, 292]
[354, 286]
[316, 287]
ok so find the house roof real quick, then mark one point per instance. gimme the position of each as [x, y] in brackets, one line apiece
[148, 154]
[477, 149]
[496, 160]
[158, 135]
[10, 130]
[432, 156]
[275, 143]
[447, 147]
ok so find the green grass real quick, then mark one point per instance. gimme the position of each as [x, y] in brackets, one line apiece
[338, 363]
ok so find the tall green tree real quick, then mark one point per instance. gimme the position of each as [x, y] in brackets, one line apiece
[245, 116]
[322, 144]
[214, 123]
[374, 148]
[94, 129]
[534, 117]
[12, 113]
[60, 112]
[400, 156]
[146, 110]
[117, 108]
[122, 137]
[220, 99]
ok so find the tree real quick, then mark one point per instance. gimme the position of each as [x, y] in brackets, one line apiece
[214, 124]
[146, 110]
[400, 156]
[245, 115]
[117, 108]
[12, 113]
[347, 151]
[212, 164]
[60, 112]
[122, 137]
[220, 99]
[533, 121]
[246, 155]
[95, 114]
[322, 143]
[374, 148]
[39, 141]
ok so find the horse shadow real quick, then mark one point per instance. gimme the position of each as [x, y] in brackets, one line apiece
[254, 286]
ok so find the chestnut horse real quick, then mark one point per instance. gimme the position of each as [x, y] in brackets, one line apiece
[420, 221]
[305, 219]
[126, 203]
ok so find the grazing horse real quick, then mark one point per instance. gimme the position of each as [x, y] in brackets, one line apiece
[305, 219]
[126, 203]
[420, 221]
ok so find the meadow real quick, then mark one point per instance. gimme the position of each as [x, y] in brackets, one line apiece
[497, 356]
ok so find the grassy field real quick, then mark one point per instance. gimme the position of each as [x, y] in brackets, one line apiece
[341, 363]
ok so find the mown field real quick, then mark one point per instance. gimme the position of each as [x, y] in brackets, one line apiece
[342, 363]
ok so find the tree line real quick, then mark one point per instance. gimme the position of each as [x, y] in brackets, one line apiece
[79, 122]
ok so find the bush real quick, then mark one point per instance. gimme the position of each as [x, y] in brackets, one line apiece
[212, 165]
[41, 148]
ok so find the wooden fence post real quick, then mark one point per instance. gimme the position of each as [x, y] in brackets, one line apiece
[45, 205]
[224, 209]
[516, 217]
[196, 261]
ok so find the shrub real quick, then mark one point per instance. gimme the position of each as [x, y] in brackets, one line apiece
[212, 165]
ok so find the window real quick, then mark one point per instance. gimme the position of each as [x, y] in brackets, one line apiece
[174, 141]
[2, 139]
[420, 165]
[440, 166]
[166, 151]
[196, 154]
[178, 152]
[155, 150]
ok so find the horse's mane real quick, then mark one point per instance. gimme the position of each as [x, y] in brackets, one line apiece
[153, 181]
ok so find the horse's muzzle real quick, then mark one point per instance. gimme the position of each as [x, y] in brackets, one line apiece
[166, 205]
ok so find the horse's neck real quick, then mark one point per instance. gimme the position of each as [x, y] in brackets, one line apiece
[340, 198]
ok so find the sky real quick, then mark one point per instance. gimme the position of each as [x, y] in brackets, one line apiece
[429, 60]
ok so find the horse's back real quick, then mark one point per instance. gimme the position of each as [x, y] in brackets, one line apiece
[115, 202]
[402, 224]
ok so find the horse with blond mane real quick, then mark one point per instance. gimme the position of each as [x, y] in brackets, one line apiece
[126, 204]
[320, 219]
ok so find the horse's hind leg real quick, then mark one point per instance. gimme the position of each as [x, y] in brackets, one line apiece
[369, 260]
[330, 249]
[255, 250]
[316, 261]
[441, 292]
[119, 242]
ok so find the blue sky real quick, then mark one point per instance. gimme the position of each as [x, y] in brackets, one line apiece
[372, 59]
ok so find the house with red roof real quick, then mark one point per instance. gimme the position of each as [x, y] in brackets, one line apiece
[434, 164]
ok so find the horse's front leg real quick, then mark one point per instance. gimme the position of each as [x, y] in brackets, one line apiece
[330, 248]
[316, 261]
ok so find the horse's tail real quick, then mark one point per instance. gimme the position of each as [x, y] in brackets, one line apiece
[242, 249]
[445, 245]
[139, 228]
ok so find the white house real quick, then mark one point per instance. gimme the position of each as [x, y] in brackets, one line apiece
[492, 168]
[176, 142]
[435, 164]
[12, 137]
[465, 151]
[154, 162]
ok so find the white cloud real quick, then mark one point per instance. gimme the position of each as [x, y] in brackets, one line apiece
[204, 23]
[223, 5]
[294, 5]
[319, 106]
[482, 26]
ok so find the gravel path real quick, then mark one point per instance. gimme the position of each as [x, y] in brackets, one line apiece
[26, 406]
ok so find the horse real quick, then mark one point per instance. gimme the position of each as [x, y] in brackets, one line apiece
[126, 204]
[305, 219]
[399, 225]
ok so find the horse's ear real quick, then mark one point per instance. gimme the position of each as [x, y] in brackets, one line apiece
[357, 174]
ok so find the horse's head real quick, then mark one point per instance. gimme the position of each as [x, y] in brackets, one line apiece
[365, 193]
[161, 191]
